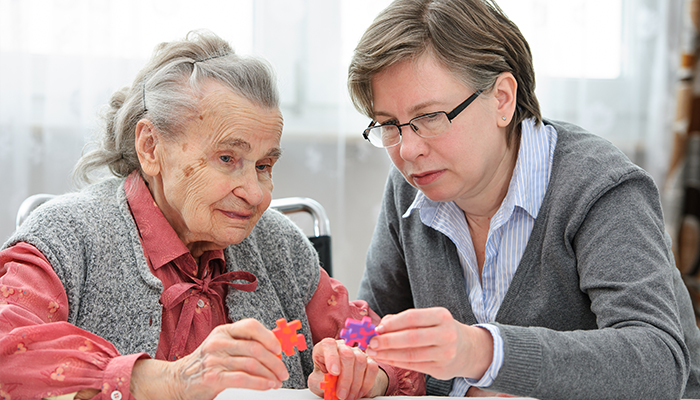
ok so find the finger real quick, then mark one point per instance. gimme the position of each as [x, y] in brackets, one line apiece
[252, 350]
[314, 382]
[371, 372]
[413, 318]
[239, 379]
[415, 354]
[228, 345]
[408, 339]
[359, 368]
[252, 329]
[326, 357]
[256, 367]
[474, 391]
[347, 371]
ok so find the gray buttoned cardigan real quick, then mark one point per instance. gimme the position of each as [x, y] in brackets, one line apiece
[596, 309]
[91, 241]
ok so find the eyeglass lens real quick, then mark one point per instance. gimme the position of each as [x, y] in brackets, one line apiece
[428, 125]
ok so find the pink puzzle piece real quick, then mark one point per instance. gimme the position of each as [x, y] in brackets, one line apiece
[328, 386]
[288, 336]
[358, 332]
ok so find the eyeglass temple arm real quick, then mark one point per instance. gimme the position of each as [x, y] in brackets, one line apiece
[464, 105]
[365, 133]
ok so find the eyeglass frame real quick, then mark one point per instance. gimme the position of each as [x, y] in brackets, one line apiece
[450, 116]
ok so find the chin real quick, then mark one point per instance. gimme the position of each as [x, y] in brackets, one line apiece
[237, 236]
[435, 195]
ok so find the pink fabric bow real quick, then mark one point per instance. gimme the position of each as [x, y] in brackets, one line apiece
[180, 292]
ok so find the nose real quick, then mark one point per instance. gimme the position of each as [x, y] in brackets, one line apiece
[249, 187]
[412, 146]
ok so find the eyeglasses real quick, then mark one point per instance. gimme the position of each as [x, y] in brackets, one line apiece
[425, 126]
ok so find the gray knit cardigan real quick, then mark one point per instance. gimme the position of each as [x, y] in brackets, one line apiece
[596, 309]
[92, 242]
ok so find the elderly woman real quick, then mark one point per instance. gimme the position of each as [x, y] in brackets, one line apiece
[516, 254]
[163, 282]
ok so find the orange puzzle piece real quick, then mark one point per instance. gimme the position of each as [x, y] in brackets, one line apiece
[287, 335]
[328, 385]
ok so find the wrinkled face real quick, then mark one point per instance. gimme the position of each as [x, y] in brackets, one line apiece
[216, 178]
[459, 165]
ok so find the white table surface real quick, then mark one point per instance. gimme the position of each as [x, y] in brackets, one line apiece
[305, 394]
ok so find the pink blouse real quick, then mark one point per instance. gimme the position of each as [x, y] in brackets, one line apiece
[42, 355]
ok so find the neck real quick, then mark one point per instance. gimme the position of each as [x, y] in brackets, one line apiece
[482, 206]
[195, 247]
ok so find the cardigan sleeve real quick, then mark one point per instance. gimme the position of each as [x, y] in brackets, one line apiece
[327, 311]
[41, 354]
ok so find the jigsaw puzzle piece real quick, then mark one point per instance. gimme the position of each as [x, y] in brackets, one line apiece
[288, 337]
[358, 332]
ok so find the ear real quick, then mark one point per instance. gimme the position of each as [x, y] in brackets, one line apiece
[505, 92]
[146, 144]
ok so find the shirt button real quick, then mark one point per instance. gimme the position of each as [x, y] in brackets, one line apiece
[200, 303]
[116, 395]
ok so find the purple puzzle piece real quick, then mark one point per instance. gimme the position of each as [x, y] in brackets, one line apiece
[358, 332]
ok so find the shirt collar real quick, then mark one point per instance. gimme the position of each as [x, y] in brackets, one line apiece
[529, 182]
[160, 241]
[534, 165]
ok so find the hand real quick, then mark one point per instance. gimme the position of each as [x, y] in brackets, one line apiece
[358, 375]
[476, 392]
[429, 340]
[238, 355]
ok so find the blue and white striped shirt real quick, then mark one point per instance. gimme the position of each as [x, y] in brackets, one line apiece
[507, 237]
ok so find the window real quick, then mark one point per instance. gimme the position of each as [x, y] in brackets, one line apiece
[572, 38]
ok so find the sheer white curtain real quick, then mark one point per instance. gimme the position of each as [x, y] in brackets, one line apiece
[610, 66]
[607, 65]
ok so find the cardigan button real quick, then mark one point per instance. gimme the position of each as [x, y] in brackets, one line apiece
[200, 303]
[116, 395]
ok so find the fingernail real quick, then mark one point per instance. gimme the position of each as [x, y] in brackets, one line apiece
[342, 393]
[379, 329]
[335, 370]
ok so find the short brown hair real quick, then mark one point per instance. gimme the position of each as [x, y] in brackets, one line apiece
[473, 39]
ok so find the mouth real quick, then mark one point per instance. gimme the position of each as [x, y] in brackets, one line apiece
[238, 215]
[426, 178]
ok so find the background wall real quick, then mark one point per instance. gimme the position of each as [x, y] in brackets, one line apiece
[608, 65]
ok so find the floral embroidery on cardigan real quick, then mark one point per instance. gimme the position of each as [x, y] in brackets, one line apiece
[6, 291]
[332, 301]
[21, 348]
[58, 374]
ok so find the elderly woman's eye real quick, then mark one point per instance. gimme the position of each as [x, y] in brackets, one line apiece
[263, 167]
[226, 159]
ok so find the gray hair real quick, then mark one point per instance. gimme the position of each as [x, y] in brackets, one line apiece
[167, 91]
[473, 39]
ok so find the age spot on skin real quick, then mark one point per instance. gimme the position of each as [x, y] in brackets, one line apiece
[202, 162]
